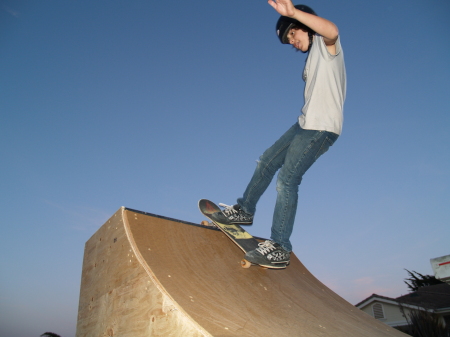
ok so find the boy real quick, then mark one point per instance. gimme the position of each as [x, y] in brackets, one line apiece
[318, 127]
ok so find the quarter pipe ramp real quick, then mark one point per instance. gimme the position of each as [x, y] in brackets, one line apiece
[147, 275]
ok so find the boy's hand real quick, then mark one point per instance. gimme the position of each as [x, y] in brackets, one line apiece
[283, 7]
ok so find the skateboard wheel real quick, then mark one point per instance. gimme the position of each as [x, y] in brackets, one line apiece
[245, 264]
[204, 223]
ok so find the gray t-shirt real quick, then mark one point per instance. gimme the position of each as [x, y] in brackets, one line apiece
[325, 88]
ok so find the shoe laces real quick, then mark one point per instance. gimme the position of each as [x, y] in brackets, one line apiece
[228, 210]
[265, 247]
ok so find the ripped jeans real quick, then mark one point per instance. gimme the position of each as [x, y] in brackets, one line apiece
[294, 153]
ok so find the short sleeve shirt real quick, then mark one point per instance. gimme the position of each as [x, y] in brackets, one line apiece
[325, 88]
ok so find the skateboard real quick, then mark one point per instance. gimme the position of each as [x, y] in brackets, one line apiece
[236, 233]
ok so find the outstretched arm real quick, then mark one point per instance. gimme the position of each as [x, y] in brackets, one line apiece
[321, 26]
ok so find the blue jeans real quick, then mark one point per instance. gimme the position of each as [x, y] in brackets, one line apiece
[294, 153]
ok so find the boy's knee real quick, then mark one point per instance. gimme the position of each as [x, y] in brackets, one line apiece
[288, 182]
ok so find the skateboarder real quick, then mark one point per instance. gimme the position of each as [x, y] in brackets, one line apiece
[317, 128]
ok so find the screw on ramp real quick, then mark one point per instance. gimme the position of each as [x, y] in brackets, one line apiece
[147, 275]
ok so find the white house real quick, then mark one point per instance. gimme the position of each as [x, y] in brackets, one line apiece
[392, 311]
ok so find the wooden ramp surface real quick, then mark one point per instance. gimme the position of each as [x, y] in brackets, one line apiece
[145, 275]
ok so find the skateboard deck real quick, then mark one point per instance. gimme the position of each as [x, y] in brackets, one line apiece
[236, 233]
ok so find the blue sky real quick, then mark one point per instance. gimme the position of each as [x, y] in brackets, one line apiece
[154, 105]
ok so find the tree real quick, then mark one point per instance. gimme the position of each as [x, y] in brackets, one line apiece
[423, 323]
[417, 280]
[50, 334]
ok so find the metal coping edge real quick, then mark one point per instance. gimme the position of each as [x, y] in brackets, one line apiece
[170, 219]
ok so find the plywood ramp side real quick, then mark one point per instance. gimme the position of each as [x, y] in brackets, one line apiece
[182, 317]
[118, 297]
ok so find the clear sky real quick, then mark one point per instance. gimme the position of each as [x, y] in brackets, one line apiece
[153, 105]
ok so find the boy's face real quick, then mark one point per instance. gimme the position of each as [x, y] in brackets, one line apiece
[299, 39]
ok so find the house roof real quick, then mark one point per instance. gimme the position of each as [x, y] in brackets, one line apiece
[373, 298]
[432, 297]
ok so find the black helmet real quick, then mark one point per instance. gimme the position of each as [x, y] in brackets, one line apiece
[285, 23]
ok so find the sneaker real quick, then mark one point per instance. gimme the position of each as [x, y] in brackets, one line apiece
[236, 215]
[268, 253]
